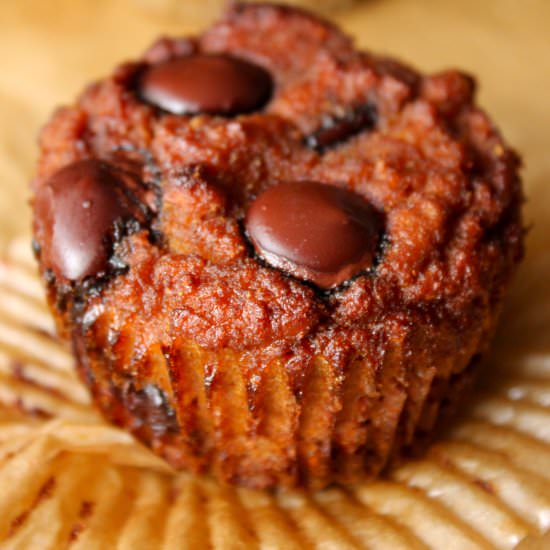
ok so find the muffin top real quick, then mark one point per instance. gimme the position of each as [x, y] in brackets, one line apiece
[265, 185]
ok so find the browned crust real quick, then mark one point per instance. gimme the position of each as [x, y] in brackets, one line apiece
[222, 364]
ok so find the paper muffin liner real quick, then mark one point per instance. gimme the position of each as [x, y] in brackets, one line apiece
[70, 480]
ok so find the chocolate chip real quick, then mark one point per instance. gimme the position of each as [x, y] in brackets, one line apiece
[35, 245]
[334, 130]
[316, 232]
[150, 407]
[206, 83]
[76, 211]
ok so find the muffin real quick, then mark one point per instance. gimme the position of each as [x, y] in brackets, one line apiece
[277, 259]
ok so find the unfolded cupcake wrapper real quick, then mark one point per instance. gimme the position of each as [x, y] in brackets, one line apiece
[70, 480]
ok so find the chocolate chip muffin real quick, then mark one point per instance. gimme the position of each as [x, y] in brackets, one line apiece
[278, 259]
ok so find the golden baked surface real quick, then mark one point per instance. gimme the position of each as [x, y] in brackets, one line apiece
[222, 363]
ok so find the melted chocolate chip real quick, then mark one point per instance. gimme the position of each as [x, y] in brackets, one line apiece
[77, 210]
[206, 83]
[316, 232]
[334, 130]
[151, 408]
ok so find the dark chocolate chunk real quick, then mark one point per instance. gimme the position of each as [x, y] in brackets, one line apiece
[335, 130]
[317, 232]
[151, 408]
[77, 209]
[206, 83]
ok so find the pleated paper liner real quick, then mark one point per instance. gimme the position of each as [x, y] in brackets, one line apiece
[69, 480]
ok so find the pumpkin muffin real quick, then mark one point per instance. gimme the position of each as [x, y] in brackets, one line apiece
[278, 259]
